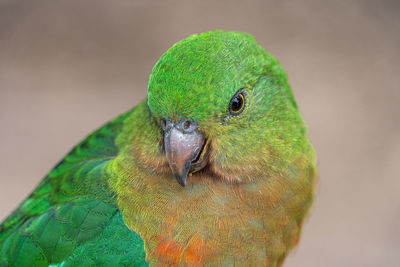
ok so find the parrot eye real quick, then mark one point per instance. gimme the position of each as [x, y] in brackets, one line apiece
[238, 102]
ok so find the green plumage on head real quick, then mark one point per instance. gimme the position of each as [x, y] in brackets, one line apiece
[214, 168]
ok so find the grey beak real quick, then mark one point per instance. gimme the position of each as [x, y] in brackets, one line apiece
[183, 143]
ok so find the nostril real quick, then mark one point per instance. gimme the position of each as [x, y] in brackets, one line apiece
[186, 125]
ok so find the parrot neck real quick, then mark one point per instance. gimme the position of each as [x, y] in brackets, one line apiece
[214, 222]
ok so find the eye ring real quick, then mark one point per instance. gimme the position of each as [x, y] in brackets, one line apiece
[237, 103]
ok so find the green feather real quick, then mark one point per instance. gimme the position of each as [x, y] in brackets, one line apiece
[113, 199]
[70, 209]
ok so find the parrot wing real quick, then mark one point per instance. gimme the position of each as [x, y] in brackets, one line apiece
[71, 218]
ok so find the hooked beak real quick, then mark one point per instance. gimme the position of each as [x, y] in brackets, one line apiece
[183, 144]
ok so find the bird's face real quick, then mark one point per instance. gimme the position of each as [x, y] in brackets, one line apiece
[223, 105]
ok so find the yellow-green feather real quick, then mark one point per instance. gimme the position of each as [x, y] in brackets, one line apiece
[113, 198]
[248, 206]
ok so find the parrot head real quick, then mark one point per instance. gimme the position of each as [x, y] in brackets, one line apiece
[224, 106]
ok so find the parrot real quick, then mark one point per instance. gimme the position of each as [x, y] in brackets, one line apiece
[212, 168]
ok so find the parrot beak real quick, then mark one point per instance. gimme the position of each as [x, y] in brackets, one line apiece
[183, 144]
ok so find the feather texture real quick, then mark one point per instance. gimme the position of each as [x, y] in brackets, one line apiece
[113, 200]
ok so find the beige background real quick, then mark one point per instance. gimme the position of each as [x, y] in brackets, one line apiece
[68, 66]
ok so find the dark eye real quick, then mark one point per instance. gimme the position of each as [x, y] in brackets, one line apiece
[238, 102]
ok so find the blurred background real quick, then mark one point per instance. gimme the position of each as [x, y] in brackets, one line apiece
[68, 66]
